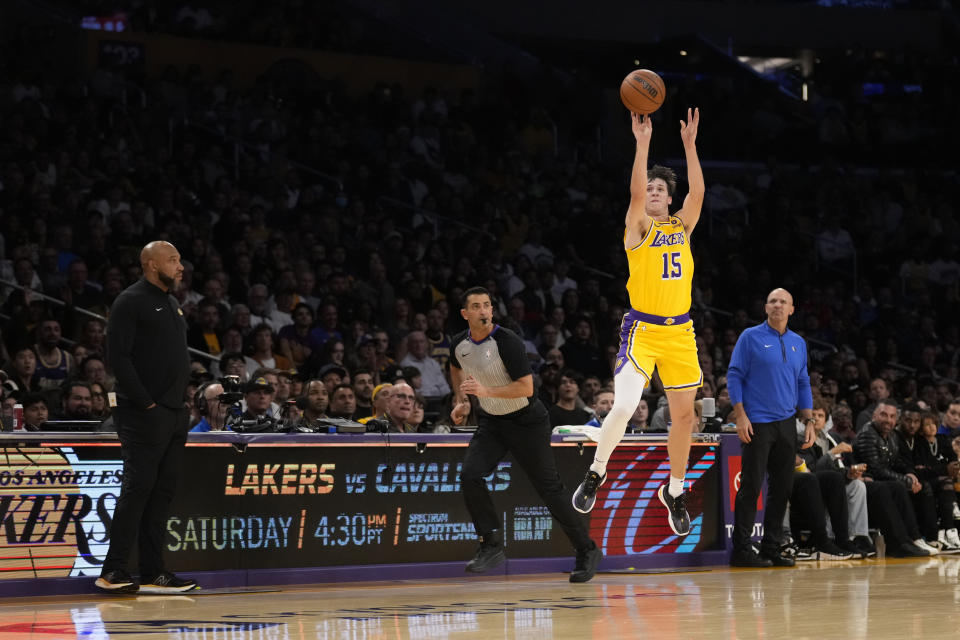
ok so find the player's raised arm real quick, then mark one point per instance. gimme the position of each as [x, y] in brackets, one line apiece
[637, 221]
[693, 203]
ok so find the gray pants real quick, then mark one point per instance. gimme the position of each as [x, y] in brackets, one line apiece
[857, 506]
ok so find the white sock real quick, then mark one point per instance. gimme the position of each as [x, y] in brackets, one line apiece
[599, 467]
[676, 487]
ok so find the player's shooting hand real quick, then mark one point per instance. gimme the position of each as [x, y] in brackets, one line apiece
[472, 387]
[688, 129]
[642, 127]
[744, 428]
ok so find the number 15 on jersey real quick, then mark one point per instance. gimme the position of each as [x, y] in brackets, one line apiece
[671, 266]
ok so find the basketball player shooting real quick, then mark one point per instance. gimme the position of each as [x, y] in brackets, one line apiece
[657, 331]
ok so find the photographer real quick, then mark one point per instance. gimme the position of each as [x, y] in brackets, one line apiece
[211, 408]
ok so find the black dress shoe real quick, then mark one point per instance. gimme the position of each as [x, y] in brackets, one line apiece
[748, 558]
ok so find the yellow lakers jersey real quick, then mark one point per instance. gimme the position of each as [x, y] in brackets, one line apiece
[661, 270]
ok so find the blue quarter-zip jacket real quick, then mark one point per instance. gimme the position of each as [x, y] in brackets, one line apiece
[768, 374]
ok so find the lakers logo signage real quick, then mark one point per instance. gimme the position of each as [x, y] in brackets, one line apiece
[55, 511]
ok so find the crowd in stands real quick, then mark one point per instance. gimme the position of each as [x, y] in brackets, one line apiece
[324, 261]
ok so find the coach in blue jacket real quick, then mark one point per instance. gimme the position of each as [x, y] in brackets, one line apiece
[768, 383]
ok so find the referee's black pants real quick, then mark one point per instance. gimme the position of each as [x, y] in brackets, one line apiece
[772, 449]
[525, 434]
[151, 443]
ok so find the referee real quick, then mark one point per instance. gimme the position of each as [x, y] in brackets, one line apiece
[490, 362]
[147, 350]
[768, 383]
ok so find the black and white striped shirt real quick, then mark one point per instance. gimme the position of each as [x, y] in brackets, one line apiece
[495, 361]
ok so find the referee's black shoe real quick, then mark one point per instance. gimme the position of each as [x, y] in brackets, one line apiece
[489, 555]
[587, 562]
[586, 494]
[679, 519]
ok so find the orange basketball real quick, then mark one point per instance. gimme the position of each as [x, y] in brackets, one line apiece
[642, 91]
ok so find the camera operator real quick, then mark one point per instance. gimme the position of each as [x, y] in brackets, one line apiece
[210, 407]
[258, 395]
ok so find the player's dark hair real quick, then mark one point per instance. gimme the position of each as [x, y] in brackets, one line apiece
[666, 174]
[473, 291]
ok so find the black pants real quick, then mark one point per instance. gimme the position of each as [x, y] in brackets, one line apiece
[151, 444]
[813, 496]
[889, 509]
[527, 437]
[772, 449]
[925, 508]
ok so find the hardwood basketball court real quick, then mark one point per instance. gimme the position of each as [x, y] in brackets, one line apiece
[864, 599]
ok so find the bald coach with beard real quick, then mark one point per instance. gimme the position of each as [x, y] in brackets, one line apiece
[147, 350]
